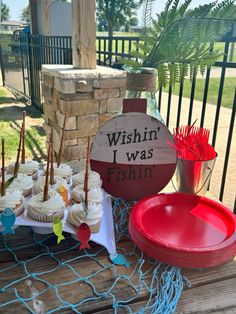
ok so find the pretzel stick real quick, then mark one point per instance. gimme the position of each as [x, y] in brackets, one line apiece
[61, 144]
[16, 169]
[86, 174]
[45, 194]
[3, 184]
[23, 139]
[51, 160]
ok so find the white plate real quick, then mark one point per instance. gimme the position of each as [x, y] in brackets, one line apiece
[104, 237]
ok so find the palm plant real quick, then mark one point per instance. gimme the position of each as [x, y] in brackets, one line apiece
[178, 42]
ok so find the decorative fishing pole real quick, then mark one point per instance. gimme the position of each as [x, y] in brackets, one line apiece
[61, 144]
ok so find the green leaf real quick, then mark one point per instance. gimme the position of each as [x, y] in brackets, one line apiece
[177, 43]
[9, 182]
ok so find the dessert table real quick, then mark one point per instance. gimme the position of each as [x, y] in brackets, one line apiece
[212, 290]
[39, 276]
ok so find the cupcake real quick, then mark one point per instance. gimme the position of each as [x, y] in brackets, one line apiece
[94, 180]
[12, 199]
[30, 167]
[92, 217]
[95, 195]
[63, 171]
[58, 183]
[23, 183]
[46, 211]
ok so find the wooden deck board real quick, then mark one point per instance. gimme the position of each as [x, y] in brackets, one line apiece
[209, 298]
[217, 298]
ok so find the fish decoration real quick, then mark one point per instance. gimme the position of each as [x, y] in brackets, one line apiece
[84, 234]
[8, 219]
[64, 194]
[57, 229]
[119, 259]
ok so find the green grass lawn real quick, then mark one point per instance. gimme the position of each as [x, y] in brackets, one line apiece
[3, 95]
[126, 49]
[220, 46]
[228, 90]
[35, 142]
[10, 124]
[3, 92]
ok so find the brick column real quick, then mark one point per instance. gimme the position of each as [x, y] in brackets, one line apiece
[88, 97]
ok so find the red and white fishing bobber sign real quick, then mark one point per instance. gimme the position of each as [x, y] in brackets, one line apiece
[132, 155]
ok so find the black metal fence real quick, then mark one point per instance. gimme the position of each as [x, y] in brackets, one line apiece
[22, 58]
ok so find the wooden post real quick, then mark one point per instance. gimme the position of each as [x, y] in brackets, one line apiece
[84, 33]
[46, 23]
[33, 16]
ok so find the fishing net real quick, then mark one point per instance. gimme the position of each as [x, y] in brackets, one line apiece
[39, 276]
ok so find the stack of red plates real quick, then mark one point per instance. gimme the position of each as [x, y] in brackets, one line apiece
[184, 230]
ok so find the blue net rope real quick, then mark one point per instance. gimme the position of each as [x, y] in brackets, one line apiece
[147, 286]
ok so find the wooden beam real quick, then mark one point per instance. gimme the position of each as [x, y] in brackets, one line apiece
[84, 33]
[46, 23]
[33, 16]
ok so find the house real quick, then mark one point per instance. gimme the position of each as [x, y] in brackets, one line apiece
[9, 25]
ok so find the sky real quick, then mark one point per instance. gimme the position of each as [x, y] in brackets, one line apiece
[160, 4]
[16, 6]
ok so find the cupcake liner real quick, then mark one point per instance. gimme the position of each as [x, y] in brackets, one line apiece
[19, 209]
[27, 192]
[68, 179]
[45, 218]
[93, 228]
[34, 175]
[75, 201]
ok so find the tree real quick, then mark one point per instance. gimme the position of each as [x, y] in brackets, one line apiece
[25, 16]
[133, 21]
[116, 13]
[5, 12]
[178, 41]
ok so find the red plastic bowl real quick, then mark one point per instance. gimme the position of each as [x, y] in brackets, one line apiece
[184, 230]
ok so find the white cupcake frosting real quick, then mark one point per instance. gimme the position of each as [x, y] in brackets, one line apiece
[54, 204]
[77, 214]
[94, 179]
[95, 195]
[40, 183]
[30, 167]
[11, 167]
[22, 182]
[12, 198]
[62, 171]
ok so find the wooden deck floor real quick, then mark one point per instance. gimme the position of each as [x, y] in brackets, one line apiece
[212, 290]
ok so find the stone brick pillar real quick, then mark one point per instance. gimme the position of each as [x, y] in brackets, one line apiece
[88, 98]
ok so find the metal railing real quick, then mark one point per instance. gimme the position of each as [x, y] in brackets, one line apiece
[121, 48]
[22, 58]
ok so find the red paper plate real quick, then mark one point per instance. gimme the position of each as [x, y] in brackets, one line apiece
[184, 230]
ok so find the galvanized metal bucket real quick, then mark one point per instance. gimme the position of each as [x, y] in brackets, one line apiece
[193, 176]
